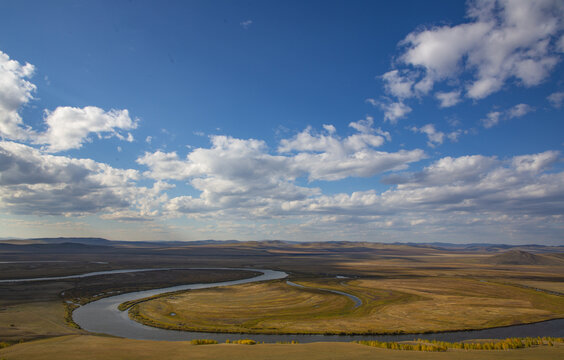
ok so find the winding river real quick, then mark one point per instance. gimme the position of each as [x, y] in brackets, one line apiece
[103, 316]
[356, 300]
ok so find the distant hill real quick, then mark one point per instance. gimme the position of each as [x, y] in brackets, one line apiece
[504, 253]
[519, 257]
[81, 240]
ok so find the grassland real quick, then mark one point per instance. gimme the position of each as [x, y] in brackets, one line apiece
[33, 310]
[403, 288]
[81, 347]
[426, 304]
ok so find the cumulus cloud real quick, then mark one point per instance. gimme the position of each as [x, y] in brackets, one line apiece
[535, 163]
[450, 194]
[233, 173]
[469, 184]
[69, 127]
[434, 136]
[32, 182]
[328, 157]
[503, 41]
[243, 174]
[493, 118]
[519, 110]
[393, 111]
[556, 99]
[15, 91]
[308, 140]
[318, 156]
[398, 85]
[448, 99]
[329, 128]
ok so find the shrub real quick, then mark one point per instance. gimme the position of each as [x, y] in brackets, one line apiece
[243, 342]
[203, 341]
[434, 345]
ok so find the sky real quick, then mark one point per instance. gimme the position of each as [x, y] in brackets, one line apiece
[404, 121]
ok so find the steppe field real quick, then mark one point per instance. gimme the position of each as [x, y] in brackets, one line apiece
[399, 289]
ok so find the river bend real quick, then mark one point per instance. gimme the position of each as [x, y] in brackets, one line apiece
[103, 316]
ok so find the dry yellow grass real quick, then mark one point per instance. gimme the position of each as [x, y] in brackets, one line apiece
[96, 347]
[389, 305]
[32, 320]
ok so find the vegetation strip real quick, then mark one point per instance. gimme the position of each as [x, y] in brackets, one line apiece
[203, 342]
[434, 345]
[69, 308]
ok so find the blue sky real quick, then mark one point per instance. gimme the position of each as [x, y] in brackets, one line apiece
[184, 120]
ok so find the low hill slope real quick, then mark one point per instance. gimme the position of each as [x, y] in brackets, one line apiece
[519, 257]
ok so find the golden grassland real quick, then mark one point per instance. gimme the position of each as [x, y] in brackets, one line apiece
[34, 320]
[37, 310]
[87, 347]
[425, 304]
[432, 288]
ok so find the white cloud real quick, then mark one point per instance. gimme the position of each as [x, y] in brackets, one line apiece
[328, 157]
[398, 85]
[556, 99]
[393, 111]
[503, 40]
[15, 91]
[317, 156]
[448, 99]
[435, 137]
[69, 127]
[236, 174]
[519, 110]
[453, 135]
[535, 163]
[364, 163]
[32, 182]
[493, 118]
[232, 174]
[477, 185]
[246, 24]
[148, 139]
[308, 140]
[329, 128]
[560, 44]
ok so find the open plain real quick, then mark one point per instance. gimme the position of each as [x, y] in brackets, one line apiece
[403, 288]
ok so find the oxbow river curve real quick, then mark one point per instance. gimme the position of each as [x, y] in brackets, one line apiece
[103, 316]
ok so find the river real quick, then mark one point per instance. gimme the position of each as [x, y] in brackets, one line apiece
[103, 316]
